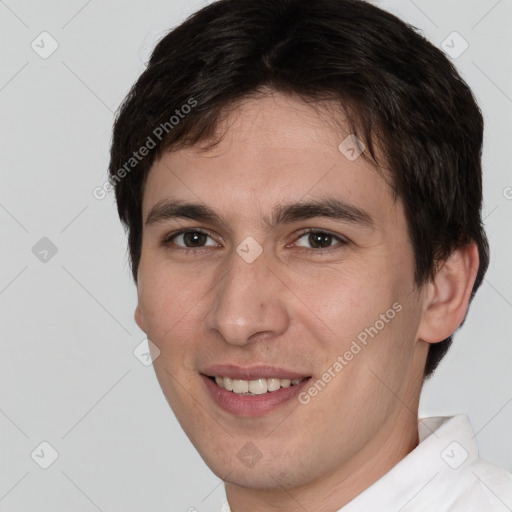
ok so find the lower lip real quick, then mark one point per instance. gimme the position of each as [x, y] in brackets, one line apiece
[250, 406]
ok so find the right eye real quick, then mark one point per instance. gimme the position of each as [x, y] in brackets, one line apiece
[189, 239]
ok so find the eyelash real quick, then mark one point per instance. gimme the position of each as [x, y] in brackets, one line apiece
[169, 238]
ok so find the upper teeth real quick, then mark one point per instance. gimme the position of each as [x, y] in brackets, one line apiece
[255, 387]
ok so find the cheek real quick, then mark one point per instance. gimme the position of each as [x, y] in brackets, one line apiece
[168, 300]
[170, 305]
[367, 303]
[342, 301]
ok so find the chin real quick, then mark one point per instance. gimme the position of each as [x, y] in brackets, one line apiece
[256, 480]
[263, 475]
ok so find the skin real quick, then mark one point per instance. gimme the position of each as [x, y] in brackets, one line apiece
[297, 306]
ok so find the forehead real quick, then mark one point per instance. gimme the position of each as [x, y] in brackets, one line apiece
[270, 150]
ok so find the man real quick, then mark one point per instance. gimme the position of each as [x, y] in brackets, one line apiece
[305, 240]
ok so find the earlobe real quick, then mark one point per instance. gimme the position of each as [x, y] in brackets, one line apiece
[139, 319]
[448, 295]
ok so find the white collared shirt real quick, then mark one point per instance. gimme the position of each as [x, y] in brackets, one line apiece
[444, 473]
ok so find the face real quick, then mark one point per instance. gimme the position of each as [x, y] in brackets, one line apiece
[293, 265]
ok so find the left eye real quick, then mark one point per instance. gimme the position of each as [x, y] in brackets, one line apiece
[320, 239]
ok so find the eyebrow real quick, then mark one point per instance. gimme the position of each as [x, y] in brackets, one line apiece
[281, 214]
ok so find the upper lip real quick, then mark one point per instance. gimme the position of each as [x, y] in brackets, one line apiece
[252, 372]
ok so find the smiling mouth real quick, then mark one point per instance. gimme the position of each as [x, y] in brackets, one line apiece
[256, 386]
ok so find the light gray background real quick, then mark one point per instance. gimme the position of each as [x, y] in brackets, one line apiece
[68, 373]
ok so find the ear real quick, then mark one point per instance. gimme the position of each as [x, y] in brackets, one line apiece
[447, 296]
[139, 318]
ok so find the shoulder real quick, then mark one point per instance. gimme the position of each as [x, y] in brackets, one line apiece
[482, 486]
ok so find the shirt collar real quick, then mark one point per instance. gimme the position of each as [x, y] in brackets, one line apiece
[446, 445]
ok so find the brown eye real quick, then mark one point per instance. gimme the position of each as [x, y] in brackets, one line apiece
[194, 238]
[190, 239]
[320, 240]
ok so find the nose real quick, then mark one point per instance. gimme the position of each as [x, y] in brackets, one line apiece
[248, 302]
